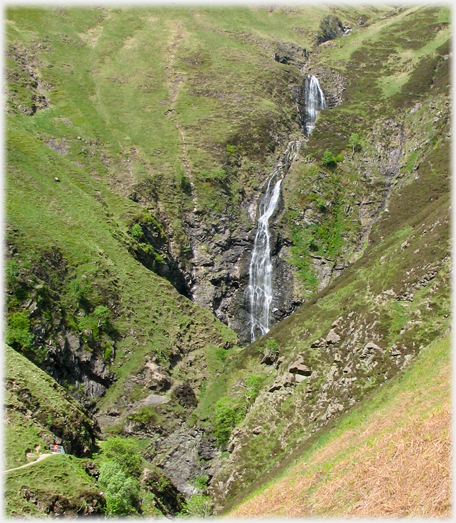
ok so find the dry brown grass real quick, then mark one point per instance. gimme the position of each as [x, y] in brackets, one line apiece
[405, 473]
[396, 464]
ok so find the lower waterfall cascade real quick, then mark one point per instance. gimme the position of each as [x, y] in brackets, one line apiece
[260, 291]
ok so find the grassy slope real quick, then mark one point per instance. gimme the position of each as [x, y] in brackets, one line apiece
[111, 78]
[399, 257]
[34, 405]
[59, 478]
[390, 456]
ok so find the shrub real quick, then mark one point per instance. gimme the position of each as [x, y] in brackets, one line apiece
[201, 483]
[226, 418]
[136, 231]
[146, 414]
[125, 453]
[121, 491]
[18, 333]
[231, 149]
[102, 314]
[107, 353]
[328, 159]
[355, 142]
[221, 354]
[254, 383]
[198, 505]
[273, 345]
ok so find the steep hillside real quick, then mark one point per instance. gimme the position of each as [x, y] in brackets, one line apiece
[389, 457]
[40, 413]
[139, 145]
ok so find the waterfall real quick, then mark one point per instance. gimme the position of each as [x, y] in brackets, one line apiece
[260, 270]
[314, 101]
[311, 101]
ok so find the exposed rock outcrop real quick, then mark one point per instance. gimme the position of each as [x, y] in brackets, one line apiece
[330, 27]
[290, 54]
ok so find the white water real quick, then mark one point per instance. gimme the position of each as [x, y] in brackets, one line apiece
[260, 290]
[314, 102]
[260, 270]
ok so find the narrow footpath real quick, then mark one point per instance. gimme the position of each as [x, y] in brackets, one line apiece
[42, 456]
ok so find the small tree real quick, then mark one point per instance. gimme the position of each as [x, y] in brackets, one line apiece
[197, 506]
[124, 453]
[355, 142]
[328, 159]
[227, 417]
[121, 491]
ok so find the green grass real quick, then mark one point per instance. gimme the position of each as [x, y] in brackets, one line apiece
[58, 476]
[126, 88]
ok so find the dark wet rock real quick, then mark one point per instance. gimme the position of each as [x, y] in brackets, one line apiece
[331, 27]
[168, 498]
[185, 395]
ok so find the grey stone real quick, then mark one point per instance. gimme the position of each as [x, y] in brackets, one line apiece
[297, 367]
[332, 337]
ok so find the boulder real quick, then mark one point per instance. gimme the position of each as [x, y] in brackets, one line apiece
[332, 337]
[317, 343]
[269, 356]
[297, 367]
[275, 386]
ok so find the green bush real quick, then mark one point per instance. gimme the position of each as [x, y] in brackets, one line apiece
[226, 418]
[253, 384]
[136, 231]
[197, 506]
[221, 354]
[102, 315]
[231, 149]
[121, 491]
[146, 414]
[125, 453]
[273, 345]
[18, 333]
[328, 159]
[79, 292]
[201, 483]
[107, 353]
[355, 142]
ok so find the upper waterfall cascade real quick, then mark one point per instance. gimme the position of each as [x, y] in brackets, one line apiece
[260, 270]
[314, 102]
[260, 292]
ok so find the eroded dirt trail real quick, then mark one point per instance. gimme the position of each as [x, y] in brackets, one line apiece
[41, 457]
[175, 81]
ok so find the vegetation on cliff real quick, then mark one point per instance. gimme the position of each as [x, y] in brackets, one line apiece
[138, 143]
